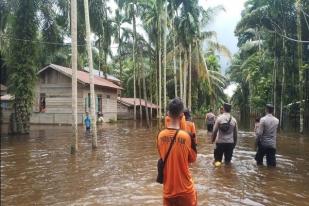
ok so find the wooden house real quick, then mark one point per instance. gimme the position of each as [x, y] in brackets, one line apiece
[125, 108]
[53, 98]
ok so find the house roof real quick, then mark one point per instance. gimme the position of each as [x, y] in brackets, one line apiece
[82, 76]
[130, 102]
[6, 97]
[101, 74]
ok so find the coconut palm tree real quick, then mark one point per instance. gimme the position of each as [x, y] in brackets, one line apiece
[74, 145]
[91, 77]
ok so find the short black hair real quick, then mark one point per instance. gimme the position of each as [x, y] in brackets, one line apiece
[227, 107]
[175, 107]
[187, 114]
[270, 108]
[257, 119]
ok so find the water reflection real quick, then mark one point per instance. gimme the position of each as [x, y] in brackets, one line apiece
[38, 169]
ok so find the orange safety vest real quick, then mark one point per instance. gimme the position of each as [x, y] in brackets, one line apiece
[177, 177]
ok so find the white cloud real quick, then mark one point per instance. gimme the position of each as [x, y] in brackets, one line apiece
[230, 90]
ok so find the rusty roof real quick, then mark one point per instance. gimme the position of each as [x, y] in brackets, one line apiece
[130, 102]
[82, 76]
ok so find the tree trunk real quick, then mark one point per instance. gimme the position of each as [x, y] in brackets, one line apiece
[74, 140]
[283, 82]
[185, 68]
[160, 72]
[180, 76]
[91, 78]
[275, 82]
[150, 101]
[190, 79]
[164, 60]
[140, 94]
[300, 62]
[134, 75]
[120, 57]
[174, 51]
[145, 93]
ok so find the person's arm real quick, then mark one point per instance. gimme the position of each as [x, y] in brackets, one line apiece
[215, 131]
[192, 151]
[158, 142]
[194, 133]
[260, 129]
[235, 133]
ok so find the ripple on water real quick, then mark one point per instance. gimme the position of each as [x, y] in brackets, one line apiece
[40, 170]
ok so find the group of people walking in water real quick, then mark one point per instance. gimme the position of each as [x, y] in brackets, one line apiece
[177, 147]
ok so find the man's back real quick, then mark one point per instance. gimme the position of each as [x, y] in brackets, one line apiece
[210, 118]
[267, 130]
[226, 137]
[177, 177]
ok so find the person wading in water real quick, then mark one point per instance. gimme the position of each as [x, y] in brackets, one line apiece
[210, 119]
[266, 133]
[178, 186]
[225, 135]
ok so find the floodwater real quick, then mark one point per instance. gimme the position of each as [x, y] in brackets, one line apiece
[39, 170]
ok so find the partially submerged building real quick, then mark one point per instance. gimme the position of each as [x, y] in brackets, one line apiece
[53, 98]
[126, 108]
[6, 104]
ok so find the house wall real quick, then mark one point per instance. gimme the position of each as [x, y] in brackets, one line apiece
[6, 110]
[109, 101]
[58, 98]
[123, 112]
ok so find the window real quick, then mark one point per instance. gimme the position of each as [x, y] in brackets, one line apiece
[42, 102]
[108, 96]
[89, 103]
[99, 103]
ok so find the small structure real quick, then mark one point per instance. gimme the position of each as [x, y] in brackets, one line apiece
[3, 90]
[53, 99]
[6, 104]
[125, 108]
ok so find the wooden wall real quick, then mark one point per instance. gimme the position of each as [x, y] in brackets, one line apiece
[58, 97]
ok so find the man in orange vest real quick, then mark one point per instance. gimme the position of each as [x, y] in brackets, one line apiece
[178, 186]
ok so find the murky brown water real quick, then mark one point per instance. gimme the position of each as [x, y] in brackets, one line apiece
[39, 170]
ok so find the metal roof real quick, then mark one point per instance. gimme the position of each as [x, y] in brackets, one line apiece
[82, 76]
[130, 102]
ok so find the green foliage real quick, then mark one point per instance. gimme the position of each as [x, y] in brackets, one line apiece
[266, 67]
[22, 68]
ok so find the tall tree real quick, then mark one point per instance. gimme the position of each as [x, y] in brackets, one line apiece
[22, 56]
[164, 59]
[91, 76]
[74, 142]
[300, 64]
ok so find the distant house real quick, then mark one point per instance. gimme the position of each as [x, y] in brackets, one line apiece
[125, 108]
[3, 90]
[53, 96]
[6, 104]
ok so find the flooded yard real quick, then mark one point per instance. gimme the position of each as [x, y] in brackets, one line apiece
[39, 170]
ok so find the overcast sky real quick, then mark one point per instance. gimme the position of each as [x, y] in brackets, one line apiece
[224, 24]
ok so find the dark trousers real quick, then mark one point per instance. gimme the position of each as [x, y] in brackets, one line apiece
[225, 149]
[210, 127]
[270, 155]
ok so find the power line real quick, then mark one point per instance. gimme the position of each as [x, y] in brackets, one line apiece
[44, 42]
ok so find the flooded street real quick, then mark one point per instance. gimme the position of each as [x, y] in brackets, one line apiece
[39, 170]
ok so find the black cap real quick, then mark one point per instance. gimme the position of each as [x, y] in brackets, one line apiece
[270, 106]
[227, 107]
